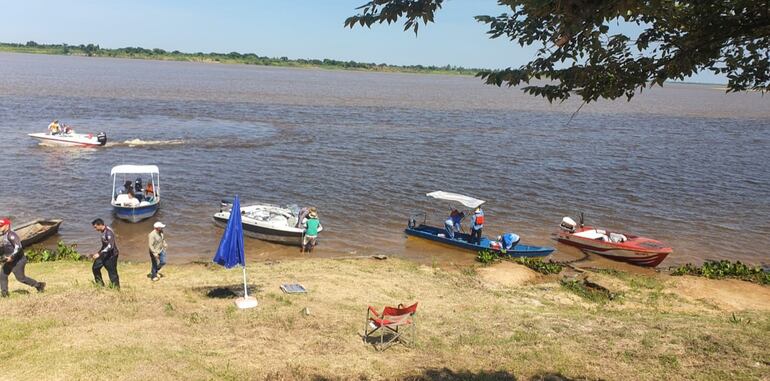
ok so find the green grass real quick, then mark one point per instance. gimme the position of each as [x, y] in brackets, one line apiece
[186, 329]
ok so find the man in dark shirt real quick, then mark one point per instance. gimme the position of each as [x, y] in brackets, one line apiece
[13, 259]
[107, 256]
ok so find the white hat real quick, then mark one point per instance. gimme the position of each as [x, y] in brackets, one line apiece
[158, 225]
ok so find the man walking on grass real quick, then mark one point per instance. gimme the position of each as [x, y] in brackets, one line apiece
[157, 242]
[13, 259]
[107, 256]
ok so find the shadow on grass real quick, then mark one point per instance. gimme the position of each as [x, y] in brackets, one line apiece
[226, 292]
[500, 375]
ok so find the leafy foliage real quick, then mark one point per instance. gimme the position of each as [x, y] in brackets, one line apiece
[582, 51]
[538, 265]
[63, 252]
[725, 269]
[487, 257]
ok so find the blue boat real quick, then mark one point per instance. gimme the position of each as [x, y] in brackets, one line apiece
[137, 200]
[136, 214]
[460, 240]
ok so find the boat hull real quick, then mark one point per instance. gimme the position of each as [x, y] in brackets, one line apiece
[65, 141]
[136, 214]
[461, 242]
[37, 231]
[292, 238]
[638, 251]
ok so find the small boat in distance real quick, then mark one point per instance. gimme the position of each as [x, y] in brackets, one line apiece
[37, 231]
[135, 201]
[68, 137]
[640, 251]
[460, 240]
[267, 222]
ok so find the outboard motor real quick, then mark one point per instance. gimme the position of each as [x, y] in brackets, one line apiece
[101, 138]
[568, 224]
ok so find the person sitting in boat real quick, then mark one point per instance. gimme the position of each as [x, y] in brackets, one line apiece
[477, 223]
[131, 201]
[508, 241]
[452, 223]
[149, 191]
[67, 129]
[457, 217]
[54, 128]
[128, 187]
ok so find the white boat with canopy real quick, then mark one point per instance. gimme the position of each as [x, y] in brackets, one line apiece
[137, 196]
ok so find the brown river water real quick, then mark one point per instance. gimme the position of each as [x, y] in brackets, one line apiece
[685, 164]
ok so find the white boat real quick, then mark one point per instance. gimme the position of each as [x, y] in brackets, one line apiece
[266, 222]
[71, 139]
[135, 201]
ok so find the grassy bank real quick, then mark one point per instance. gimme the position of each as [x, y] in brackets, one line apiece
[472, 325]
[92, 50]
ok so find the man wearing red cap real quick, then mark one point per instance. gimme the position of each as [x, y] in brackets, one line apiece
[13, 259]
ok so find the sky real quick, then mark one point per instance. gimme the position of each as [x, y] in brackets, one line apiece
[291, 28]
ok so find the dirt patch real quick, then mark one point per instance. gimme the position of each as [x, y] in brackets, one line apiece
[727, 294]
[507, 274]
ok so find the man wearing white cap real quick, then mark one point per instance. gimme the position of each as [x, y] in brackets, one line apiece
[157, 241]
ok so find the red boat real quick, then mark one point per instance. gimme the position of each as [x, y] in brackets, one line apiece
[623, 247]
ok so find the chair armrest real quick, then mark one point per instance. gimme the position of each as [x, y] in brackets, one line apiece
[372, 311]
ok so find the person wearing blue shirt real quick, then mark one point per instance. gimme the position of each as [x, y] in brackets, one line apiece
[477, 223]
[508, 241]
[452, 223]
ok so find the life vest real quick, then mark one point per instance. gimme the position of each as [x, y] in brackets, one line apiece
[479, 219]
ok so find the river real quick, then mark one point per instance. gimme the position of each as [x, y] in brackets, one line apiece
[686, 164]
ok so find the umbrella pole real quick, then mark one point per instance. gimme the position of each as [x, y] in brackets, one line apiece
[245, 288]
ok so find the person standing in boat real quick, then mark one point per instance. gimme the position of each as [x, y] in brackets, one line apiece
[312, 227]
[13, 259]
[477, 223]
[54, 128]
[158, 245]
[107, 256]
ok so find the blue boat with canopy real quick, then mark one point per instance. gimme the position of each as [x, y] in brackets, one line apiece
[460, 240]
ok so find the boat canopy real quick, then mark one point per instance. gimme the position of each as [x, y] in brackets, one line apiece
[465, 200]
[134, 169]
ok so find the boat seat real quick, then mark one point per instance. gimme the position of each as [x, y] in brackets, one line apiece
[279, 219]
[592, 234]
[618, 238]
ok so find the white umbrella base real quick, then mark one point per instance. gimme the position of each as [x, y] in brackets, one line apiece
[247, 302]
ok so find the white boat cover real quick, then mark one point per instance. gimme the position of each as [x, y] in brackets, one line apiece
[465, 200]
[134, 169]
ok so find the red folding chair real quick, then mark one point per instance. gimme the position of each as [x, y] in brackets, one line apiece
[395, 322]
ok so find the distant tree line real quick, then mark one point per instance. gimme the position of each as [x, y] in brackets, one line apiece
[92, 50]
